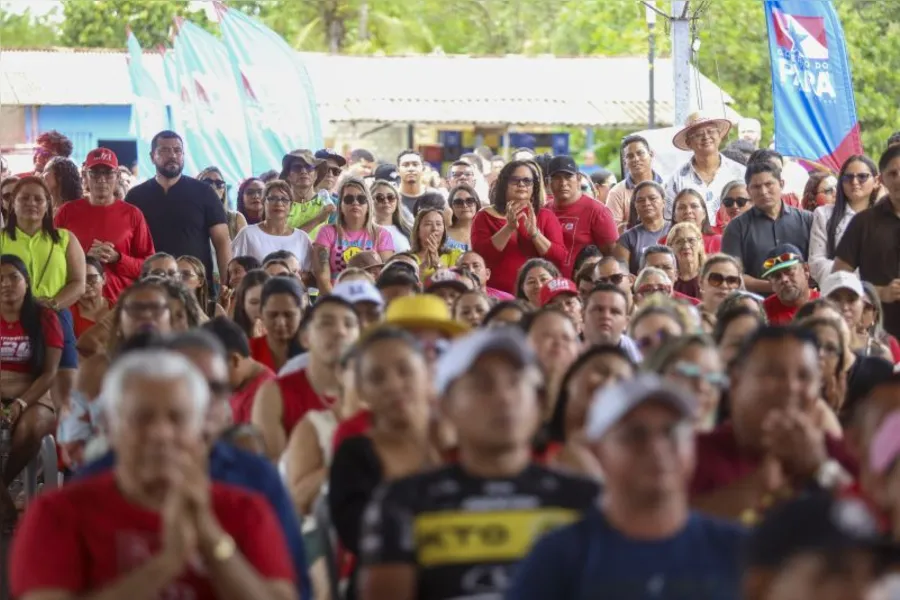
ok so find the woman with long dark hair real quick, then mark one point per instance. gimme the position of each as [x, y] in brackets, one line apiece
[282, 304]
[857, 190]
[649, 200]
[63, 177]
[516, 226]
[247, 300]
[820, 189]
[92, 306]
[250, 201]
[31, 342]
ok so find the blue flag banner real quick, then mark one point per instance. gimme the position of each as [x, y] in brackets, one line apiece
[812, 89]
[149, 114]
[279, 102]
[210, 107]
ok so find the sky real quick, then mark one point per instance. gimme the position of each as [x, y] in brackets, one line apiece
[42, 7]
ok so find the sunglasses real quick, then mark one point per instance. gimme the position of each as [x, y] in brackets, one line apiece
[730, 202]
[334, 171]
[216, 183]
[616, 279]
[350, 200]
[278, 199]
[778, 260]
[692, 371]
[859, 177]
[301, 168]
[521, 181]
[717, 279]
[385, 198]
[648, 341]
[460, 202]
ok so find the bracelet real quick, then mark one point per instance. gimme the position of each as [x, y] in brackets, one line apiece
[22, 403]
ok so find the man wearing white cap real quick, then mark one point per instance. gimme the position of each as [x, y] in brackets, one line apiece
[708, 170]
[473, 520]
[641, 540]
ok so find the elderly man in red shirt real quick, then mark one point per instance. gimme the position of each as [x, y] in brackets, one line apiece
[154, 527]
[788, 273]
[112, 231]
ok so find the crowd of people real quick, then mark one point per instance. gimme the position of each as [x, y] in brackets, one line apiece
[517, 380]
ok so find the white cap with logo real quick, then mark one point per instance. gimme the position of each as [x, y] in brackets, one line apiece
[358, 291]
[842, 280]
[610, 404]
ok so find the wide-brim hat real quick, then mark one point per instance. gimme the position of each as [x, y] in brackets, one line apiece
[301, 155]
[423, 311]
[695, 120]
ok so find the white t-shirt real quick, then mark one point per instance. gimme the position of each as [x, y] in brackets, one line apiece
[253, 241]
[401, 242]
[298, 363]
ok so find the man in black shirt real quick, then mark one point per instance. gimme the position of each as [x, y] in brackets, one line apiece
[183, 214]
[459, 531]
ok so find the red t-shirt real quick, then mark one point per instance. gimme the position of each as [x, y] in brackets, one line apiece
[15, 347]
[80, 323]
[712, 242]
[584, 222]
[261, 353]
[121, 224]
[778, 313]
[298, 398]
[894, 345]
[720, 462]
[242, 400]
[505, 264]
[356, 425]
[87, 535]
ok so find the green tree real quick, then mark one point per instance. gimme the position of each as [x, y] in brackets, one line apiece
[27, 30]
[103, 23]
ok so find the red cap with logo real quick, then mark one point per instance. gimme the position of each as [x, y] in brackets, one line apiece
[555, 287]
[101, 157]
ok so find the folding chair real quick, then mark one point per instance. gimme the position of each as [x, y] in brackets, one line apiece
[329, 544]
[45, 462]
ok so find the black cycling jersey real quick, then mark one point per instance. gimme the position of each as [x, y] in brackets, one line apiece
[465, 534]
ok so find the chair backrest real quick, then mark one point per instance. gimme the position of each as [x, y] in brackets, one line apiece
[329, 543]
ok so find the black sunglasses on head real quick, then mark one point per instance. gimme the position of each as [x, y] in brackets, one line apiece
[216, 183]
[730, 202]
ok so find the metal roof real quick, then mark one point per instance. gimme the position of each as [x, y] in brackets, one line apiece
[461, 90]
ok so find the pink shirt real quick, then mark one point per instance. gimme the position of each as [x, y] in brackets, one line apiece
[350, 244]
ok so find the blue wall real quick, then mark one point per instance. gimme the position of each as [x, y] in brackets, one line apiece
[85, 125]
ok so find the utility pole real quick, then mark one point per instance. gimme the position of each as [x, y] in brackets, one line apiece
[650, 16]
[681, 58]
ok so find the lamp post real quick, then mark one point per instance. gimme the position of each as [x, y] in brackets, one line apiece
[650, 17]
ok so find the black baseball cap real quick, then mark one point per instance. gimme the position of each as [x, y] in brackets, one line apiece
[562, 164]
[387, 173]
[781, 257]
[817, 523]
[329, 154]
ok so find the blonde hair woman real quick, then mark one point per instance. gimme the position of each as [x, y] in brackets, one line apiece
[429, 242]
[193, 277]
[686, 241]
[354, 232]
[213, 177]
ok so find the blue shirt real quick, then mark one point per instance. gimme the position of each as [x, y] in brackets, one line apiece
[590, 560]
[231, 465]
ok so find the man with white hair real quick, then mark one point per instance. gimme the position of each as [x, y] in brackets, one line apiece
[155, 526]
[750, 130]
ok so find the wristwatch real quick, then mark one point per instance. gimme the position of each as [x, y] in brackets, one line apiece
[224, 549]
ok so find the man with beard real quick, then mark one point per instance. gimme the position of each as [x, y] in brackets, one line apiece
[412, 179]
[183, 214]
[786, 270]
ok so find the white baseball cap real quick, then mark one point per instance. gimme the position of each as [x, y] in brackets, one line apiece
[464, 352]
[842, 280]
[358, 291]
[610, 404]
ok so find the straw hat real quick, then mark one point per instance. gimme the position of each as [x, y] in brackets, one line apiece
[695, 120]
[423, 311]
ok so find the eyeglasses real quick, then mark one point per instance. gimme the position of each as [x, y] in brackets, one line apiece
[778, 260]
[614, 279]
[101, 174]
[692, 371]
[334, 171]
[187, 274]
[657, 337]
[278, 200]
[253, 192]
[681, 243]
[462, 175]
[216, 183]
[654, 288]
[385, 198]
[359, 199]
[165, 274]
[299, 167]
[153, 309]
[717, 279]
[740, 201]
[859, 177]
[460, 202]
[521, 181]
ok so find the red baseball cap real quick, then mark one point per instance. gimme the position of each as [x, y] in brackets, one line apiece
[101, 157]
[555, 287]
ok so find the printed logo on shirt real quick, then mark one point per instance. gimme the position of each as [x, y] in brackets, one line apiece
[464, 537]
[15, 349]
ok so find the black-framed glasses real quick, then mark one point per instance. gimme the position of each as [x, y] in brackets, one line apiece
[301, 167]
[521, 181]
[614, 279]
[385, 198]
[101, 174]
[740, 201]
[461, 202]
[859, 177]
[334, 171]
[350, 199]
[278, 199]
[717, 280]
[254, 192]
[216, 183]
[657, 337]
